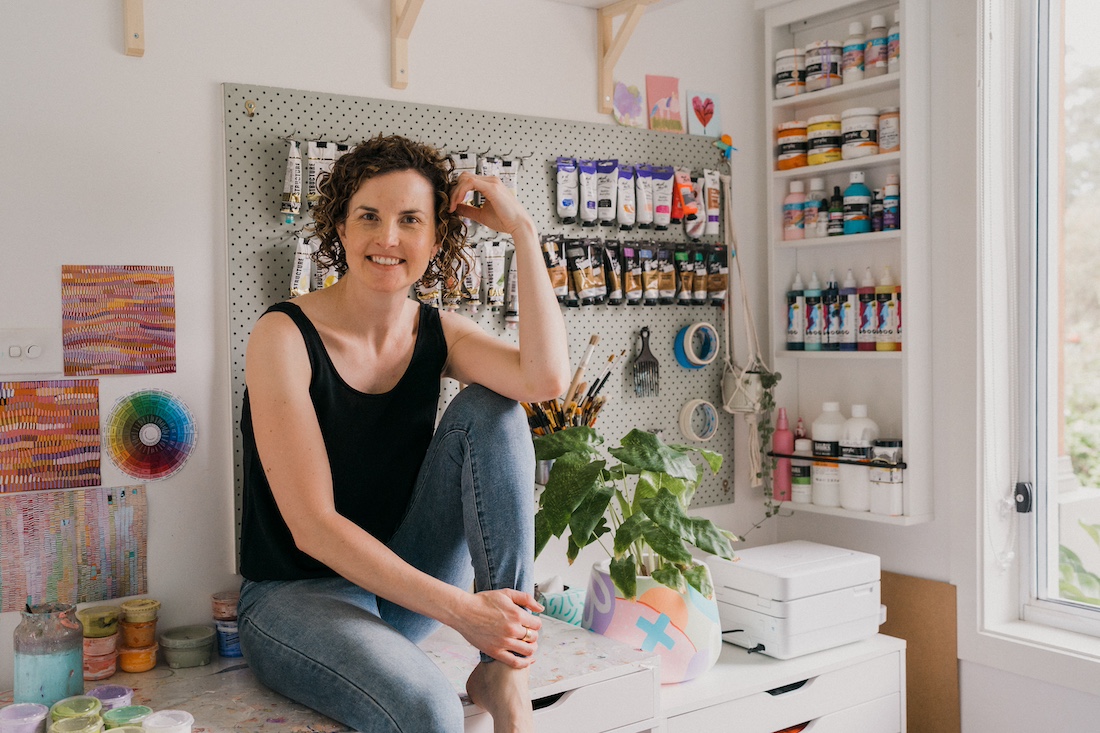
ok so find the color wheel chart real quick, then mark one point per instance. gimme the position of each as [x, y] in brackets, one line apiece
[150, 434]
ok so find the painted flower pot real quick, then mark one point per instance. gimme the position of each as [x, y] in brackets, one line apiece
[682, 628]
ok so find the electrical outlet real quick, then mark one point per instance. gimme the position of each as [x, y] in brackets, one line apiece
[30, 351]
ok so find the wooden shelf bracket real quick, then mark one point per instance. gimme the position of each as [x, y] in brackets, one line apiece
[133, 27]
[610, 44]
[403, 15]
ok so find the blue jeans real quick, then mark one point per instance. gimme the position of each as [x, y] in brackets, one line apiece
[353, 656]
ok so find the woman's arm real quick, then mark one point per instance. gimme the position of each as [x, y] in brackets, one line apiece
[539, 368]
[292, 451]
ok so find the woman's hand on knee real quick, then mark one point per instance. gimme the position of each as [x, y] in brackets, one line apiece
[502, 624]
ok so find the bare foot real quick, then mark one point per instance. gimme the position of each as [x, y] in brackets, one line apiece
[503, 693]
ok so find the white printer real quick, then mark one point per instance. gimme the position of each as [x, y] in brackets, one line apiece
[794, 598]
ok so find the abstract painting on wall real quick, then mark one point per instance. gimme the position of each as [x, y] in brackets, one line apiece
[663, 98]
[702, 114]
[49, 435]
[118, 319]
[72, 546]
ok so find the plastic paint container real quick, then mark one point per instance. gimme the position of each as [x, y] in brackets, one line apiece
[75, 706]
[141, 659]
[169, 721]
[79, 724]
[128, 729]
[99, 621]
[113, 696]
[859, 127]
[99, 645]
[824, 137]
[790, 73]
[129, 715]
[889, 130]
[24, 717]
[140, 609]
[224, 605]
[229, 642]
[823, 62]
[791, 145]
[135, 635]
[187, 646]
[100, 667]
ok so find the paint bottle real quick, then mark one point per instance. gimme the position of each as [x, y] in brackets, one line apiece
[801, 471]
[830, 305]
[823, 218]
[852, 65]
[875, 50]
[790, 73]
[836, 213]
[860, 433]
[823, 63]
[857, 205]
[796, 316]
[827, 430]
[49, 654]
[815, 325]
[893, 44]
[782, 442]
[849, 313]
[865, 295]
[813, 211]
[886, 324]
[876, 211]
[791, 145]
[889, 129]
[794, 207]
[891, 203]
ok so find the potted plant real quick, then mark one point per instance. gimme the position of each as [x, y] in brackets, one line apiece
[650, 592]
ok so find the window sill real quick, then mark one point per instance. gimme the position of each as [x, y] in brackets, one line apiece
[1053, 655]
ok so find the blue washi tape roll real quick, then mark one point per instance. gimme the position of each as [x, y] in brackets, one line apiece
[684, 346]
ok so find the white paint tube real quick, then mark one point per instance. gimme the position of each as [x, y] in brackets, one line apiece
[625, 208]
[695, 228]
[429, 294]
[687, 193]
[321, 158]
[495, 274]
[452, 286]
[341, 150]
[643, 195]
[587, 180]
[508, 173]
[567, 190]
[300, 273]
[466, 163]
[511, 302]
[607, 186]
[292, 183]
[471, 279]
[662, 196]
[487, 165]
[317, 278]
[599, 281]
[712, 187]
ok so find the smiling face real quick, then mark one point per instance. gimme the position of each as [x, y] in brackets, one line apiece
[389, 234]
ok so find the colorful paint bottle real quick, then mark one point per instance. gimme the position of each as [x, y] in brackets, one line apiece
[782, 442]
[854, 47]
[815, 316]
[865, 295]
[886, 324]
[796, 316]
[830, 305]
[815, 214]
[49, 654]
[836, 213]
[794, 207]
[857, 205]
[849, 313]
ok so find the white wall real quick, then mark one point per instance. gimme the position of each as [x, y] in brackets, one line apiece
[117, 160]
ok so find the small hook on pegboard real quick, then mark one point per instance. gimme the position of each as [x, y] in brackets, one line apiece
[250, 107]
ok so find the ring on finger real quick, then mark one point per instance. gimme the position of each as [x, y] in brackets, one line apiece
[526, 634]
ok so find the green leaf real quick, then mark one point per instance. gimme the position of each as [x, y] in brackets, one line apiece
[698, 578]
[1092, 529]
[643, 489]
[625, 576]
[581, 439]
[714, 460]
[677, 486]
[646, 451]
[664, 543]
[709, 538]
[630, 531]
[571, 480]
[542, 532]
[666, 512]
[588, 515]
[572, 550]
[670, 576]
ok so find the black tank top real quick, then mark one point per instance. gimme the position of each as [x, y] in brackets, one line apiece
[375, 444]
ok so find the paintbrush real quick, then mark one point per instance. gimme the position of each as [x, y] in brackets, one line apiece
[599, 383]
[571, 393]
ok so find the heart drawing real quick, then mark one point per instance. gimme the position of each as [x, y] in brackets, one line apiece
[704, 109]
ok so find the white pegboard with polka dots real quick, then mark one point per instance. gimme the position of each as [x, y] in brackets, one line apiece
[258, 120]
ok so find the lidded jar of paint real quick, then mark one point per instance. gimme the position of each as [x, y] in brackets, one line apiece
[859, 127]
[140, 610]
[169, 721]
[75, 706]
[49, 651]
[889, 130]
[24, 717]
[823, 65]
[99, 621]
[113, 696]
[224, 605]
[791, 145]
[823, 135]
[79, 724]
[790, 73]
[187, 646]
[129, 715]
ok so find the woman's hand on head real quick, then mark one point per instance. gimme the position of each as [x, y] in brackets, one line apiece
[501, 211]
[497, 622]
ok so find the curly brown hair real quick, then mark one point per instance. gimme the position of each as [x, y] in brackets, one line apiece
[375, 157]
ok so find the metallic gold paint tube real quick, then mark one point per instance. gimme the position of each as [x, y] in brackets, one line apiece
[717, 274]
[321, 157]
[632, 275]
[666, 276]
[471, 279]
[650, 286]
[685, 268]
[555, 267]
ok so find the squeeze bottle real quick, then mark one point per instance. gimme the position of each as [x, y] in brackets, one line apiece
[830, 305]
[891, 203]
[886, 314]
[794, 207]
[893, 44]
[836, 213]
[801, 469]
[857, 205]
[865, 331]
[782, 442]
[827, 430]
[796, 315]
[852, 65]
[875, 61]
[815, 326]
[849, 313]
[860, 433]
[814, 210]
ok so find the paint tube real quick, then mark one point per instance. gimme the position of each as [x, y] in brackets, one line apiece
[470, 287]
[508, 173]
[452, 286]
[466, 163]
[695, 228]
[587, 179]
[599, 280]
[429, 294]
[712, 188]
[323, 275]
[300, 274]
[632, 275]
[321, 159]
[662, 196]
[666, 276]
[685, 268]
[292, 184]
[643, 195]
[495, 274]
[578, 257]
[613, 272]
[625, 210]
[341, 150]
[717, 274]
[607, 186]
[487, 165]
[511, 307]
[567, 190]
[687, 193]
[555, 266]
[648, 259]
[699, 294]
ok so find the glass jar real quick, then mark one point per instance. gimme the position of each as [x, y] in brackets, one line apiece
[49, 654]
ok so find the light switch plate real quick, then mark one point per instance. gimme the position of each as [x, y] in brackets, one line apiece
[39, 351]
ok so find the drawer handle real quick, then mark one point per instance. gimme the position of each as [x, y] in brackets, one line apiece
[545, 702]
[788, 688]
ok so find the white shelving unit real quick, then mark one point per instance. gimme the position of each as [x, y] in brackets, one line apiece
[896, 386]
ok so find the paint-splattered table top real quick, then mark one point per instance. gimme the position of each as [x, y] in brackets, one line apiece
[224, 697]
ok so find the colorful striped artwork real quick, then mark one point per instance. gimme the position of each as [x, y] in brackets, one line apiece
[72, 546]
[49, 435]
[118, 319]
